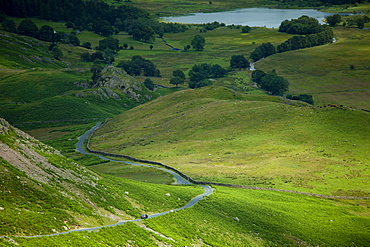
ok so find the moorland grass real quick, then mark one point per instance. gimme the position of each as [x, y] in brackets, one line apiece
[214, 134]
[22, 52]
[237, 217]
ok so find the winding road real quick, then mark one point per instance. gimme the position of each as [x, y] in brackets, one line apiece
[179, 180]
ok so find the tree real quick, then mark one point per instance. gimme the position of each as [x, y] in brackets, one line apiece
[238, 62]
[73, 40]
[151, 47]
[176, 81]
[109, 43]
[179, 73]
[28, 27]
[246, 29]
[96, 70]
[217, 71]
[9, 26]
[257, 76]
[196, 77]
[360, 23]
[264, 50]
[46, 33]
[86, 45]
[57, 53]
[198, 42]
[271, 82]
[149, 84]
[103, 27]
[86, 57]
[143, 33]
[333, 20]
[139, 66]
[69, 24]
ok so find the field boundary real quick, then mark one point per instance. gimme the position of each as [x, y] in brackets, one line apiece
[212, 183]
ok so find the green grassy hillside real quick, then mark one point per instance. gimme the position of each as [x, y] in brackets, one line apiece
[216, 135]
[336, 74]
[44, 192]
[38, 90]
[236, 217]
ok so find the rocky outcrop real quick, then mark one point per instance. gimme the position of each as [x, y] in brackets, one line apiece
[115, 78]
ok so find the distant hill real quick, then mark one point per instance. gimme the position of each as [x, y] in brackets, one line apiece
[43, 192]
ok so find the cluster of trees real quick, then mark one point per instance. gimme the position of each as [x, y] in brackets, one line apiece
[264, 50]
[317, 3]
[46, 33]
[98, 57]
[270, 82]
[302, 25]
[178, 77]
[200, 73]
[316, 35]
[106, 50]
[139, 66]
[334, 19]
[149, 84]
[213, 25]
[198, 42]
[358, 20]
[246, 29]
[143, 33]
[239, 62]
[95, 16]
[301, 97]
[311, 40]
[55, 51]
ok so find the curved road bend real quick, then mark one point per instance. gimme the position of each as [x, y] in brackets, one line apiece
[179, 180]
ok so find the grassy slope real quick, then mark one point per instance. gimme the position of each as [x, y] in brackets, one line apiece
[236, 217]
[213, 134]
[72, 196]
[325, 71]
[36, 87]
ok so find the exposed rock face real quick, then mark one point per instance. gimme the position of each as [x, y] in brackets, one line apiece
[115, 78]
[25, 153]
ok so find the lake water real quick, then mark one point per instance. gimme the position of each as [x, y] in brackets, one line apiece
[254, 17]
